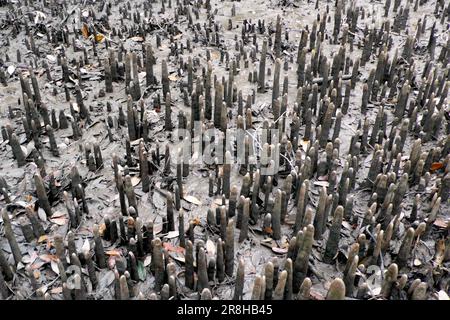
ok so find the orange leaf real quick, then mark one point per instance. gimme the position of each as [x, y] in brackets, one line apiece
[268, 230]
[85, 31]
[115, 253]
[436, 166]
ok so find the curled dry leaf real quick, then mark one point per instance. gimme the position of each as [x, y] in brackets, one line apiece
[279, 250]
[99, 37]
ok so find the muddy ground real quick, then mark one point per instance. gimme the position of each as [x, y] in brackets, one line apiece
[425, 262]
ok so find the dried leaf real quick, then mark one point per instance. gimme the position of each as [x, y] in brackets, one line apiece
[268, 230]
[99, 37]
[58, 214]
[42, 238]
[173, 77]
[436, 166]
[48, 257]
[85, 31]
[441, 223]
[114, 252]
[170, 248]
[279, 250]
[192, 199]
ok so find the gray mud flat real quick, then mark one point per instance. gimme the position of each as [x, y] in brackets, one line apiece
[336, 184]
